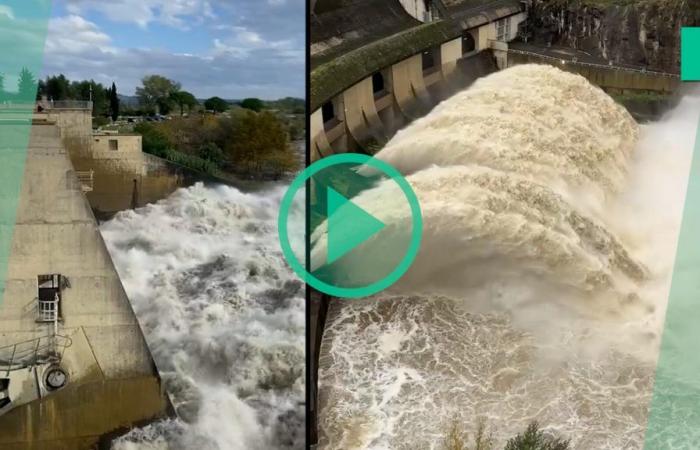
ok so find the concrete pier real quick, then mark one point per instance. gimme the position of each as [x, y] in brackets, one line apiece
[89, 336]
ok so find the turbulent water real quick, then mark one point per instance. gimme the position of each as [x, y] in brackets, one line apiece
[223, 317]
[551, 220]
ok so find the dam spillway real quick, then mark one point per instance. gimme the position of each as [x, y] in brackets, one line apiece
[223, 315]
[539, 290]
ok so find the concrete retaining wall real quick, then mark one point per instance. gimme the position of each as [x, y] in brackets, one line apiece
[610, 79]
[365, 120]
[56, 233]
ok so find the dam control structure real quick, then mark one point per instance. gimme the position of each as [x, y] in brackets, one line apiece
[377, 65]
[74, 365]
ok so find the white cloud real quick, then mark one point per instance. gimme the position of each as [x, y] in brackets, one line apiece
[80, 50]
[254, 49]
[75, 35]
[7, 11]
[176, 13]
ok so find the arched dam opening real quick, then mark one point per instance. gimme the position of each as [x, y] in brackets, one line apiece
[551, 220]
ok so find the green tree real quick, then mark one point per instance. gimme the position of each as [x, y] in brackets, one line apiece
[85, 90]
[216, 104]
[153, 140]
[254, 104]
[535, 439]
[26, 85]
[41, 89]
[113, 102]
[2, 84]
[57, 88]
[211, 152]
[259, 142]
[155, 93]
[184, 99]
[531, 439]
[457, 439]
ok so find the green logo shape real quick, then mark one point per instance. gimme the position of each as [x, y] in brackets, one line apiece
[348, 225]
[23, 25]
[690, 54]
[361, 238]
[674, 413]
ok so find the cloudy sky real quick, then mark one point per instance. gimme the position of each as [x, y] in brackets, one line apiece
[229, 48]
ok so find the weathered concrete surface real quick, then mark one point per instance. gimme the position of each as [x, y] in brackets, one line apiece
[611, 79]
[123, 178]
[340, 26]
[56, 233]
[365, 120]
[130, 180]
[77, 417]
[107, 145]
[645, 32]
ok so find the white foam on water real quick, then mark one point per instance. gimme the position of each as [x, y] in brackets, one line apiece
[550, 226]
[223, 317]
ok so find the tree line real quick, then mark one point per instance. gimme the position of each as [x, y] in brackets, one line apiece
[252, 139]
[246, 143]
[26, 87]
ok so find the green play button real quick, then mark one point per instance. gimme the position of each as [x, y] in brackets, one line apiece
[348, 225]
[362, 226]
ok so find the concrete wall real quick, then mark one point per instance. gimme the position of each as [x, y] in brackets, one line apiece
[365, 120]
[123, 178]
[103, 145]
[610, 79]
[450, 53]
[74, 124]
[56, 233]
[131, 180]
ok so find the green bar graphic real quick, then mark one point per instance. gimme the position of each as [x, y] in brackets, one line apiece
[23, 25]
[674, 415]
[690, 54]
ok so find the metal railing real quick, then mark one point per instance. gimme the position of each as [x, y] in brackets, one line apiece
[34, 352]
[67, 104]
[595, 65]
[86, 179]
[47, 311]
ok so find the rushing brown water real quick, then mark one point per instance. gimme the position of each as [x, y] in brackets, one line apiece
[551, 221]
[223, 316]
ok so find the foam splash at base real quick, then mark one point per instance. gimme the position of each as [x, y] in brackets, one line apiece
[223, 317]
[551, 221]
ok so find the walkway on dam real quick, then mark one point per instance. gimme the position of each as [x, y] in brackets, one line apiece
[578, 57]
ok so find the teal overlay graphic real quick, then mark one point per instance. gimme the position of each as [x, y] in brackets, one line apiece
[690, 54]
[342, 239]
[23, 25]
[365, 225]
[674, 415]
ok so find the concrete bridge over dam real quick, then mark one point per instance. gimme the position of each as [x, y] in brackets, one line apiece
[376, 65]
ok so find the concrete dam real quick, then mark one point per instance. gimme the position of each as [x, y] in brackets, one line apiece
[74, 364]
[453, 95]
[140, 330]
